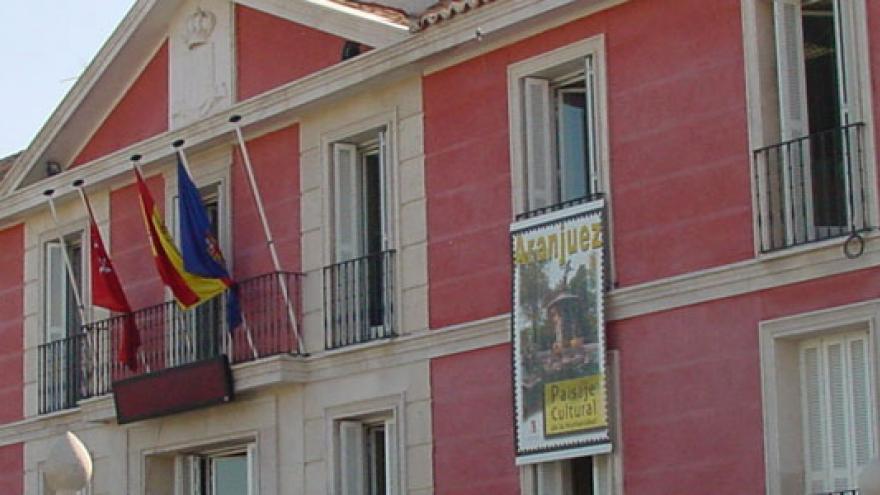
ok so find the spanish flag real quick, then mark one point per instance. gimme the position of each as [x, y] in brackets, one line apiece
[189, 290]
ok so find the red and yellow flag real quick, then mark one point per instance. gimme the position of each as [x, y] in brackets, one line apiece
[189, 290]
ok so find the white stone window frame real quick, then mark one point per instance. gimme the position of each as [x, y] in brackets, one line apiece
[66, 229]
[779, 341]
[607, 468]
[388, 121]
[593, 47]
[390, 410]
[185, 462]
[762, 98]
[238, 441]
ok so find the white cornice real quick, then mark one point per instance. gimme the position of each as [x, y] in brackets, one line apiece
[357, 26]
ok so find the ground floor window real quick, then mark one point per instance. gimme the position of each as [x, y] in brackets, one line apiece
[226, 471]
[366, 455]
[819, 398]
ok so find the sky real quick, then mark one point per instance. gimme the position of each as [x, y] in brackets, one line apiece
[44, 46]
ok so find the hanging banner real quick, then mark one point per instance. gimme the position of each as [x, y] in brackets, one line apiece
[558, 335]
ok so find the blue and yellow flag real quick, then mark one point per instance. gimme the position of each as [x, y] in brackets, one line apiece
[199, 246]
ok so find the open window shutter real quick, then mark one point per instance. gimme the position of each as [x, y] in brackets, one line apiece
[539, 143]
[848, 63]
[551, 478]
[384, 190]
[592, 129]
[186, 475]
[391, 462]
[346, 201]
[791, 70]
[253, 480]
[838, 401]
[860, 392]
[56, 293]
[812, 400]
[352, 463]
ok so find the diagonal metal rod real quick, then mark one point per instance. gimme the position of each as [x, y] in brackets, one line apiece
[255, 191]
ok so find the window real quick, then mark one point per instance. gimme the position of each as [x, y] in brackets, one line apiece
[819, 398]
[366, 455]
[836, 411]
[197, 336]
[61, 311]
[229, 471]
[358, 302]
[812, 175]
[556, 127]
[63, 354]
[570, 477]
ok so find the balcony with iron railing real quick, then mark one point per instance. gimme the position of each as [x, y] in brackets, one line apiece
[85, 365]
[812, 188]
[359, 300]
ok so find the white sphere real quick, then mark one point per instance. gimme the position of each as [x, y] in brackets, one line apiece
[69, 466]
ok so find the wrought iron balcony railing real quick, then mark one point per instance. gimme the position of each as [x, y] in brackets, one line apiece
[559, 206]
[358, 300]
[812, 188]
[85, 365]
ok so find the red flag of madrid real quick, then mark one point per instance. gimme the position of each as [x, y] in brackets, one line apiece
[107, 293]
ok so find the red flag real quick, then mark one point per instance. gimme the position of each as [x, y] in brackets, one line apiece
[107, 293]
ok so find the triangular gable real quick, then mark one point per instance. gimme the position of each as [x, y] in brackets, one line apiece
[140, 114]
[82, 127]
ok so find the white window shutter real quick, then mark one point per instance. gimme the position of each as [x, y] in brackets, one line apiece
[384, 190]
[592, 129]
[346, 196]
[838, 422]
[551, 478]
[391, 459]
[186, 475]
[352, 463]
[848, 61]
[791, 69]
[56, 292]
[860, 393]
[812, 399]
[252, 470]
[540, 166]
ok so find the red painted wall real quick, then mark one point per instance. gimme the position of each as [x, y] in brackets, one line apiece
[275, 158]
[690, 392]
[140, 114]
[130, 246]
[12, 468]
[11, 328]
[473, 423]
[679, 153]
[272, 51]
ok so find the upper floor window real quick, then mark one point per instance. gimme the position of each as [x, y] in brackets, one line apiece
[61, 312]
[358, 286]
[556, 127]
[812, 177]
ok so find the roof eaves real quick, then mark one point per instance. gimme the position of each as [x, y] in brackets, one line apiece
[444, 9]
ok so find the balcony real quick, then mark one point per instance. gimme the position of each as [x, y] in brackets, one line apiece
[812, 188]
[359, 300]
[85, 365]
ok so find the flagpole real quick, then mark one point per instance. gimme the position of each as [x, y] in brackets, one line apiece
[255, 191]
[178, 147]
[78, 185]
